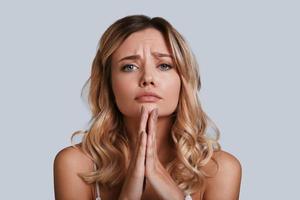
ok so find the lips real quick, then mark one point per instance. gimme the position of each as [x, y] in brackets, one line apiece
[148, 97]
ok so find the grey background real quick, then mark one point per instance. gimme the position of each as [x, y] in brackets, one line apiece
[248, 53]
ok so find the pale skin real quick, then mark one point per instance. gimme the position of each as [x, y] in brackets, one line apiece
[152, 149]
[147, 163]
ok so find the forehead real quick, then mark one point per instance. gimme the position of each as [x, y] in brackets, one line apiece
[148, 39]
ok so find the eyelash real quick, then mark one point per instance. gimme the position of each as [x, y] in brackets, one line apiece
[125, 66]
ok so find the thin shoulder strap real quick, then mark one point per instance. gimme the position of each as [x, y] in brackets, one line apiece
[97, 187]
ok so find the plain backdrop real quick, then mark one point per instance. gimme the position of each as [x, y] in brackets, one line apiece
[248, 52]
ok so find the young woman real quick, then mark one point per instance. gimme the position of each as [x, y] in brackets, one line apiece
[148, 135]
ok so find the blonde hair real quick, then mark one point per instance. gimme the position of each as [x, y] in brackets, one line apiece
[106, 142]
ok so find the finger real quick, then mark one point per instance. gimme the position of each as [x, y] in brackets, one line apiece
[143, 119]
[153, 125]
[155, 131]
[140, 158]
[151, 135]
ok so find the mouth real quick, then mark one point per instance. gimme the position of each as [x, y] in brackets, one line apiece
[147, 98]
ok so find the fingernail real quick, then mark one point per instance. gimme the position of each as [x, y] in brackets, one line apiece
[142, 109]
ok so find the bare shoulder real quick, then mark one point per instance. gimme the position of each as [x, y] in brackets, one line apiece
[227, 161]
[67, 164]
[226, 172]
[73, 157]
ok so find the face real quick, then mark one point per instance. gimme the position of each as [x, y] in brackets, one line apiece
[142, 67]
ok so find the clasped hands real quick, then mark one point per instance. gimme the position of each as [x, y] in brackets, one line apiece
[145, 163]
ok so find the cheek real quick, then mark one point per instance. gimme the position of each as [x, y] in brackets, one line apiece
[171, 90]
[120, 88]
[123, 92]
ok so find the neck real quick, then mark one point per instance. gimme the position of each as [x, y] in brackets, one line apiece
[164, 143]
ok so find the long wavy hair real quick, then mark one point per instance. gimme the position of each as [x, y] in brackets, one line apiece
[106, 141]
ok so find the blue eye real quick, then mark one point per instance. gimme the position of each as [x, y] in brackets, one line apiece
[128, 68]
[165, 67]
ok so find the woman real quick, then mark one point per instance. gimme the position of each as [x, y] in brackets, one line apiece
[147, 138]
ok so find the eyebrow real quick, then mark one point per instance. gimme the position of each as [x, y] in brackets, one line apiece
[155, 54]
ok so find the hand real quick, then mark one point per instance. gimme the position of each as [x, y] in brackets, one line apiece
[132, 188]
[156, 174]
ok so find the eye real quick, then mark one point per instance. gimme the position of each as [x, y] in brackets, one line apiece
[165, 67]
[128, 68]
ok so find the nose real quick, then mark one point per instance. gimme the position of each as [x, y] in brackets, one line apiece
[147, 78]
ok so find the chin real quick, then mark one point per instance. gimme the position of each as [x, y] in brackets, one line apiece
[149, 106]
